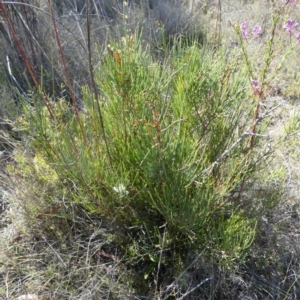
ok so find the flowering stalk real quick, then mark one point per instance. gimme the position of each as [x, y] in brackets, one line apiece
[290, 27]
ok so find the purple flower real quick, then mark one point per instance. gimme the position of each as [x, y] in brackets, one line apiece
[244, 27]
[257, 31]
[298, 37]
[255, 87]
[290, 26]
[291, 2]
[255, 82]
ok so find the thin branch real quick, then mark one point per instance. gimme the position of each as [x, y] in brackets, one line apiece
[55, 252]
[25, 58]
[160, 257]
[88, 15]
[194, 288]
[66, 72]
[176, 280]
[240, 139]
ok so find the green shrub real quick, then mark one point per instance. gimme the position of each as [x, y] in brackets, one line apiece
[164, 152]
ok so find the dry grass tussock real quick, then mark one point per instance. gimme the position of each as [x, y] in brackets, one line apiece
[51, 245]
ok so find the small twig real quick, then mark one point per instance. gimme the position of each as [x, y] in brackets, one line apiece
[65, 69]
[174, 73]
[25, 57]
[194, 288]
[14, 80]
[241, 138]
[20, 46]
[136, 297]
[88, 15]
[172, 284]
[88, 246]
[160, 257]
[45, 12]
[6, 285]
[219, 21]
[54, 251]
[176, 121]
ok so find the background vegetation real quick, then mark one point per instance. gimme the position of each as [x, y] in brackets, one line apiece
[149, 150]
